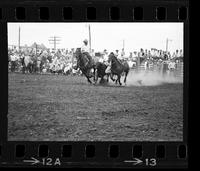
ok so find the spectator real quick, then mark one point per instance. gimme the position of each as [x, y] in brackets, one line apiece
[117, 53]
[123, 53]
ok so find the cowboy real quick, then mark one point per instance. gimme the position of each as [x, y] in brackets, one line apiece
[86, 51]
[108, 69]
[105, 56]
[85, 48]
[117, 53]
[122, 52]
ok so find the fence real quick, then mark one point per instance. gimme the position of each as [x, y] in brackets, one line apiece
[153, 67]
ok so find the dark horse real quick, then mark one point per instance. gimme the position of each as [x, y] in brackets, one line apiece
[100, 71]
[117, 68]
[86, 64]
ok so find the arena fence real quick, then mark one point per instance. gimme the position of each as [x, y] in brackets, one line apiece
[153, 67]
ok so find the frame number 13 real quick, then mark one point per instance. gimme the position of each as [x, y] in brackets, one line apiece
[150, 162]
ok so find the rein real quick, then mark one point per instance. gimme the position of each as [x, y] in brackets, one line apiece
[80, 60]
[115, 61]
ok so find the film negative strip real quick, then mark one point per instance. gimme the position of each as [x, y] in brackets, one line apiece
[54, 110]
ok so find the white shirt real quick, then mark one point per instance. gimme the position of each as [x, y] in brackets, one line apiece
[122, 53]
[85, 48]
[120, 57]
[116, 54]
[105, 57]
[101, 60]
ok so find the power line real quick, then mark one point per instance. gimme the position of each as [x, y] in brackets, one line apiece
[54, 40]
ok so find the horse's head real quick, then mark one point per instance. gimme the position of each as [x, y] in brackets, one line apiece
[111, 57]
[77, 55]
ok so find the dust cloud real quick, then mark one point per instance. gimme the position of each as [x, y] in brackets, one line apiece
[151, 78]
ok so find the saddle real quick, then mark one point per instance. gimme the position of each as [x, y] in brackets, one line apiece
[121, 61]
[89, 59]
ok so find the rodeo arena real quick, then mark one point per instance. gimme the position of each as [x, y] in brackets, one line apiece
[80, 94]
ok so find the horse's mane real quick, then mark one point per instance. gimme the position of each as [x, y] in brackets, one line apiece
[78, 50]
[79, 56]
[113, 56]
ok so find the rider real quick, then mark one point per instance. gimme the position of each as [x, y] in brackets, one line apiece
[85, 49]
[105, 56]
[108, 69]
[122, 53]
[117, 53]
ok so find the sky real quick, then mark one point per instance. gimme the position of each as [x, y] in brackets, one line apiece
[108, 36]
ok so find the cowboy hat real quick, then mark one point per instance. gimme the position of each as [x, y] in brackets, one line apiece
[86, 41]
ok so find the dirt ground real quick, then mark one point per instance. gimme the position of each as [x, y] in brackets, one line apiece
[67, 108]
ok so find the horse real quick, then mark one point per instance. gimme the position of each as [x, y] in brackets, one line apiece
[118, 68]
[85, 63]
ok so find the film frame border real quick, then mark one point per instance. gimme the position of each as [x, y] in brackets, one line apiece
[79, 14]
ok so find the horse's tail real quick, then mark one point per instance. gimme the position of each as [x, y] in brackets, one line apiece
[126, 67]
[126, 74]
[22, 61]
[126, 70]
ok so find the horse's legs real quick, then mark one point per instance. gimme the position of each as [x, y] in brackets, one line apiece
[89, 80]
[119, 77]
[107, 77]
[31, 68]
[111, 76]
[96, 80]
[95, 77]
[14, 66]
[23, 69]
[88, 77]
[102, 80]
[126, 73]
[94, 73]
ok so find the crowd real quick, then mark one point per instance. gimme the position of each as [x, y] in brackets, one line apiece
[62, 60]
[44, 59]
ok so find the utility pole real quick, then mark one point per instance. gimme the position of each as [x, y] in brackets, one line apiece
[167, 41]
[89, 38]
[54, 40]
[19, 39]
